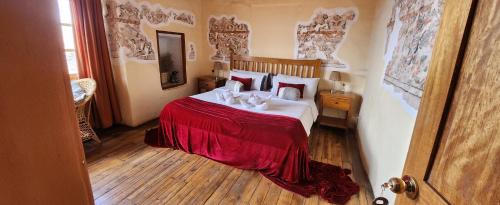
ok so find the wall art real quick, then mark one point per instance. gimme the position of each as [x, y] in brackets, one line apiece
[322, 36]
[411, 32]
[191, 52]
[228, 36]
[124, 20]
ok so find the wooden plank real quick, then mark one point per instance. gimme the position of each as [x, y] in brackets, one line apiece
[261, 191]
[167, 193]
[243, 189]
[297, 199]
[111, 181]
[133, 173]
[110, 166]
[201, 188]
[273, 195]
[222, 190]
[114, 145]
[135, 177]
[285, 198]
[144, 192]
[153, 173]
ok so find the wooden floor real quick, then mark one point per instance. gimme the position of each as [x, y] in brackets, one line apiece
[123, 170]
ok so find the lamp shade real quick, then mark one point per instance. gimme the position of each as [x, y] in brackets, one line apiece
[335, 76]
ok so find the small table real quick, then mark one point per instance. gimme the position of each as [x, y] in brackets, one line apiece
[208, 83]
[346, 102]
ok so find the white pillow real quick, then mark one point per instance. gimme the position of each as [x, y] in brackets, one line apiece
[233, 85]
[256, 79]
[288, 93]
[266, 76]
[309, 90]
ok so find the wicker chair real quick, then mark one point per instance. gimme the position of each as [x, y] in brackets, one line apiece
[83, 110]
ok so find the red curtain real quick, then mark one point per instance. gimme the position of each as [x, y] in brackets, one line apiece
[93, 60]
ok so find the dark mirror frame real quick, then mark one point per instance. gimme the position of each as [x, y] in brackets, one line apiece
[168, 84]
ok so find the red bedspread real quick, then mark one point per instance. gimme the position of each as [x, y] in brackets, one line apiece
[274, 145]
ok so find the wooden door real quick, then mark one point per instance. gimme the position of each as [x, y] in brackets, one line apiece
[41, 153]
[455, 149]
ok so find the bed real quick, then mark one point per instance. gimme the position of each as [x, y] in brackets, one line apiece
[273, 141]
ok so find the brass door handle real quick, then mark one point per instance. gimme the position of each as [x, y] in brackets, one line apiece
[405, 184]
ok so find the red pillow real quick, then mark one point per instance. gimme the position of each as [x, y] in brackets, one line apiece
[298, 86]
[247, 82]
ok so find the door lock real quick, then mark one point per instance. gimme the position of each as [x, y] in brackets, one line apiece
[405, 184]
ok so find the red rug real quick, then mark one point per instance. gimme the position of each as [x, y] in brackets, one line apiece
[330, 182]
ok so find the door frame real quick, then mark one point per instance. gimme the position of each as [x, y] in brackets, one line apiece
[444, 69]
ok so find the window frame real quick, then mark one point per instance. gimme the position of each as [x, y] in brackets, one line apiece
[73, 76]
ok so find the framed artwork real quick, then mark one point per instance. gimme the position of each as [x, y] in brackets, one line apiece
[171, 59]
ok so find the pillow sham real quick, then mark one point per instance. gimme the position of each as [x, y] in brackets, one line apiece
[257, 79]
[247, 82]
[266, 81]
[300, 87]
[234, 85]
[289, 93]
[311, 84]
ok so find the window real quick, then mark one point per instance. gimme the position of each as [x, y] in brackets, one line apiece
[68, 38]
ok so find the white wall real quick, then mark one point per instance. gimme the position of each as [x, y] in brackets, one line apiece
[138, 83]
[384, 128]
[273, 25]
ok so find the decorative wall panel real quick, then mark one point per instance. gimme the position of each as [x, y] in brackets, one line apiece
[411, 33]
[323, 35]
[228, 36]
[191, 52]
[124, 21]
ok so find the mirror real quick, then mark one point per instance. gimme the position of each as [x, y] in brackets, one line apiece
[171, 59]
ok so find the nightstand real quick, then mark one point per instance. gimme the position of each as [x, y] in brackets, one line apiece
[208, 83]
[346, 102]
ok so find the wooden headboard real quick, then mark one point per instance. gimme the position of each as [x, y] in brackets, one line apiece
[299, 68]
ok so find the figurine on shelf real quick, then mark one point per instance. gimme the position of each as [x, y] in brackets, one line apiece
[173, 77]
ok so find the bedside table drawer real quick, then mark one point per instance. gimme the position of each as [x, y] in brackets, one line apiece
[206, 84]
[337, 103]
